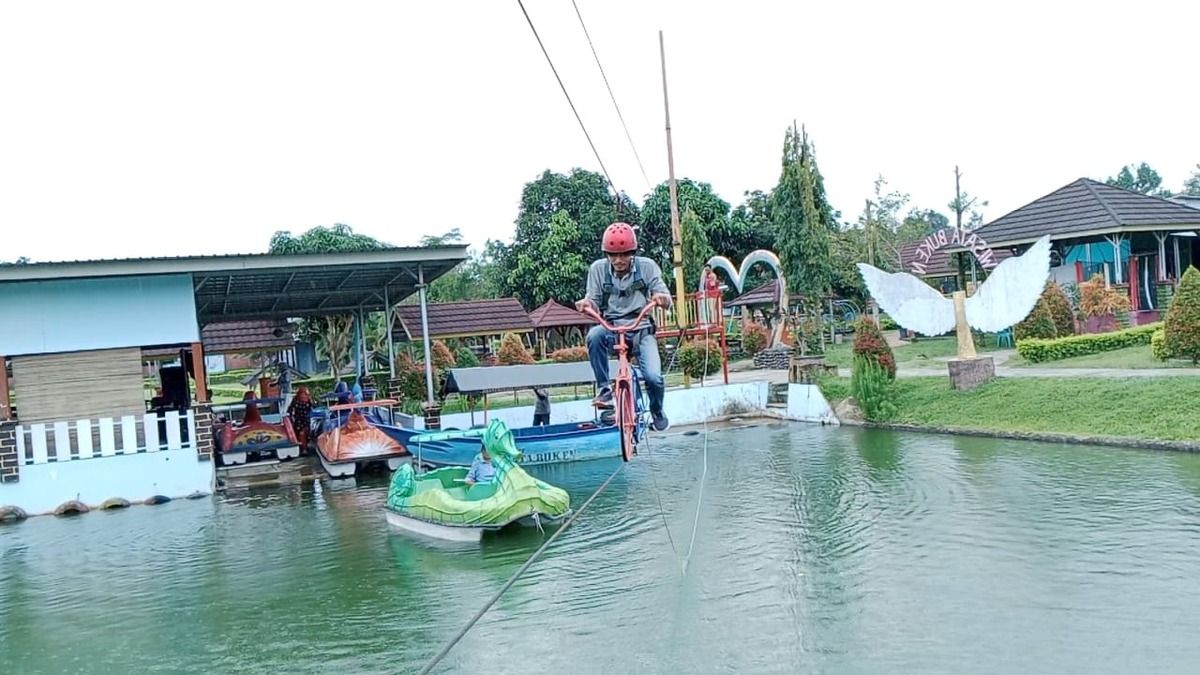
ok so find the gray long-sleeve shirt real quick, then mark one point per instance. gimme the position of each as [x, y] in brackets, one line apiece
[622, 303]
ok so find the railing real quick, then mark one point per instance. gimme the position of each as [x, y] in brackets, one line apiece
[700, 310]
[62, 441]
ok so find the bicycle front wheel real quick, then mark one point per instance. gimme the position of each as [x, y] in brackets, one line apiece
[626, 419]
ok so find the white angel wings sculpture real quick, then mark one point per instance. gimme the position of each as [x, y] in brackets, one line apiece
[1004, 299]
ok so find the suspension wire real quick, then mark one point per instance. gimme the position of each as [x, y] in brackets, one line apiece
[516, 575]
[579, 119]
[612, 96]
[704, 472]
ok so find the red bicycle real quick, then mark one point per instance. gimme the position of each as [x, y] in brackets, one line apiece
[626, 403]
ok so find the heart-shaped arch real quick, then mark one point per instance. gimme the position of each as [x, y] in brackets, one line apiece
[739, 276]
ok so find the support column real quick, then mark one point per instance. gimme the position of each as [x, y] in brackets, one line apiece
[6, 400]
[387, 319]
[205, 446]
[425, 334]
[1118, 273]
[199, 373]
[1178, 261]
[1162, 255]
[10, 464]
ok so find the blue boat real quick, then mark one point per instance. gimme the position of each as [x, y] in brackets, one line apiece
[551, 444]
[598, 438]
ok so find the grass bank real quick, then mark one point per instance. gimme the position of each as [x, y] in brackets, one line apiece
[924, 352]
[1159, 408]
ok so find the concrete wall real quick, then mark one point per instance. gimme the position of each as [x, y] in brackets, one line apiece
[42, 317]
[806, 403]
[173, 473]
[682, 406]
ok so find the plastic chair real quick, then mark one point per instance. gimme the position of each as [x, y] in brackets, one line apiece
[1004, 338]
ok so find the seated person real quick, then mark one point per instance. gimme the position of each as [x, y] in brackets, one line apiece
[252, 415]
[482, 470]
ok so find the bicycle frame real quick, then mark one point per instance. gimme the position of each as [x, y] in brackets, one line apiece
[624, 405]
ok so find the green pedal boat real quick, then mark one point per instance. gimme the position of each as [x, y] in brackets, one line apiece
[441, 504]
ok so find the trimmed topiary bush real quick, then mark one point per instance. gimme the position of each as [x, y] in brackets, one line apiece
[869, 343]
[1181, 329]
[569, 355]
[1060, 309]
[1038, 351]
[754, 339]
[512, 351]
[442, 356]
[871, 388]
[465, 358]
[691, 358]
[1039, 324]
[1158, 345]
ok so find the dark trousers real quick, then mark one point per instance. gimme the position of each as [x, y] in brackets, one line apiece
[541, 419]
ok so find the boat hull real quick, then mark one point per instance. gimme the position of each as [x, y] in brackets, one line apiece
[552, 444]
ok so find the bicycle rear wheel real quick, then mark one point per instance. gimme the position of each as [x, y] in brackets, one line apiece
[626, 419]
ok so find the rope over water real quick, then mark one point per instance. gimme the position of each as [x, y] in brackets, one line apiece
[516, 575]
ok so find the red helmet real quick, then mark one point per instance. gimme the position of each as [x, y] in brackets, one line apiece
[619, 238]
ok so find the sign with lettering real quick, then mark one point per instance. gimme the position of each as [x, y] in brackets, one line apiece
[948, 237]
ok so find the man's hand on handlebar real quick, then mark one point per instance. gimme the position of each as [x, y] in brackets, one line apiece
[661, 299]
[584, 304]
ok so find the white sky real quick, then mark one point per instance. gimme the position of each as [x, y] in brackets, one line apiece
[167, 128]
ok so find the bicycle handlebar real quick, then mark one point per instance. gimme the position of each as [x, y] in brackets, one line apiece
[591, 312]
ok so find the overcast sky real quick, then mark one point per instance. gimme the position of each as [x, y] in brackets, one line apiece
[168, 128]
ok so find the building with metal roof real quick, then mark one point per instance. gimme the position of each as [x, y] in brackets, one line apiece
[74, 335]
[1130, 239]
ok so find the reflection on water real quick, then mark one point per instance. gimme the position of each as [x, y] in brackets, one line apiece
[817, 550]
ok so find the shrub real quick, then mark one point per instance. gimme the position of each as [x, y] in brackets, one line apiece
[512, 351]
[871, 388]
[1039, 351]
[569, 355]
[691, 358]
[466, 358]
[1158, 345]
[1060, 309]
[442, 356]
[869, 343]
[1098, 299]
[1182, 328]
[754, 339]
[1039, 324]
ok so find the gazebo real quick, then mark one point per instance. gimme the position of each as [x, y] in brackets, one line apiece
[562, 322]
[473, 321]
[1136, 242]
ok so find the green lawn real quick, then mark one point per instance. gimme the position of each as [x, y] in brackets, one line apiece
[1160, 408]
[1137, 357]
[924, 352]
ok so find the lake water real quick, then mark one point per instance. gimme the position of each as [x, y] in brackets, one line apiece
[816, 550]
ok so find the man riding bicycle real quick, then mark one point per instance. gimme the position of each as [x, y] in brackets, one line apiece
[619, 286]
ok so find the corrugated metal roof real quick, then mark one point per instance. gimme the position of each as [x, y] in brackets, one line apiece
[267, 286]
[554, 315]
[485, 379]
[1086, 208]
[462, 319]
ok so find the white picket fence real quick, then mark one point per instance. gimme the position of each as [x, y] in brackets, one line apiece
[64, 441]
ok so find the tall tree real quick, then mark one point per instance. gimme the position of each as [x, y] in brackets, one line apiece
[696, 249]
[965, 204]
[802, 232]
[554, 268]
[468, 281]
[710, 210]
[585, 199]
[1191, 186]
[1141, 179]
[332, 335]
